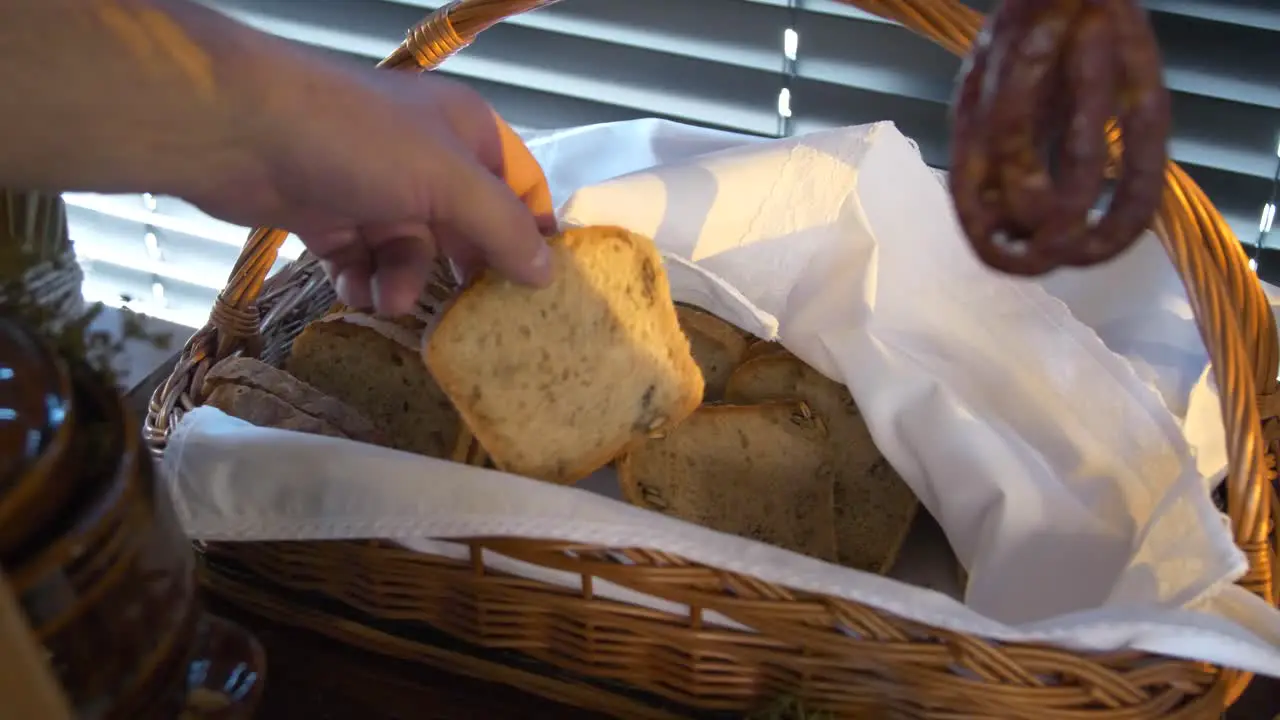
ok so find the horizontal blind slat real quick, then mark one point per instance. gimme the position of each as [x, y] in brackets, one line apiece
[753, 38]
[1213, 128]
[119, 286]
[1263, 14]
[652, 82]
[717, 63]
[1234, 63]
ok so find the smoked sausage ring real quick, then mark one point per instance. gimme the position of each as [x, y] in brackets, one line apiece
[1029, 138]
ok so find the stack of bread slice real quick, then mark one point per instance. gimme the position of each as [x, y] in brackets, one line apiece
[266, 396]
[372, 364]
[740, 442]
[759, 471]
[703, 421]
[874, 507]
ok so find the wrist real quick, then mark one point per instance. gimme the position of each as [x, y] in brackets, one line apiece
[225, 140]
[281, 103]
[142, 95]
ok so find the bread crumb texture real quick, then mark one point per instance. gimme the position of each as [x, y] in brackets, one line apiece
[874, 506]
[757, 471]
[717, 347]
[556, 382]
[382, 378]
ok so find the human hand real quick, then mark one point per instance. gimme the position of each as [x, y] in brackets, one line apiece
[377, 172]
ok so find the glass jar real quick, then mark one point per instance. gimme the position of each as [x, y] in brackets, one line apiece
[96, 557]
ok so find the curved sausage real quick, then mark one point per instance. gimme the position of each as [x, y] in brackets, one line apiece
[1145, 123]
[1029, 148]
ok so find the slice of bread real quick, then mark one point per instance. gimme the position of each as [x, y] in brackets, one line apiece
[230, 377]
[266, 410]
[555, 382]
[372, 365]
[874, 507]
[764, 348]
[757, 471]
[717, 347]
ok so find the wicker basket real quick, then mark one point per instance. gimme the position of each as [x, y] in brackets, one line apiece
[837, 656]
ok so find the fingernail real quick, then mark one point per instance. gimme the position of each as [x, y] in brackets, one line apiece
[461, 274]
[344, 288]
[547, 224]
[542, 258]
[540, 265]
[388, 299]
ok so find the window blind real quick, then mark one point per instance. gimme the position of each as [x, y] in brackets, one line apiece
[764, 67]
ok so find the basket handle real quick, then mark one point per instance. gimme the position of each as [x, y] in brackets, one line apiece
[1232, 313]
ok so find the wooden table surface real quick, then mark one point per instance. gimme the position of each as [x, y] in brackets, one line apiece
[310, 677]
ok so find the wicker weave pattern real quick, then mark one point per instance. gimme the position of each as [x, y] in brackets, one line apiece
[849, 660]
[837, 655]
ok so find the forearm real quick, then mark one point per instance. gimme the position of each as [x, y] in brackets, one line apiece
[130, 95]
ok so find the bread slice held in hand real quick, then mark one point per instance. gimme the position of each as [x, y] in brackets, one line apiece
[717, 347]
[757, 471]
[874, 507]
[556, 382]
[266, 396]
[372, 364]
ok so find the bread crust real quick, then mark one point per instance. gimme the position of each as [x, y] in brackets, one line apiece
[263, 409]
[255, 374]
[718, 347]
[764, 348]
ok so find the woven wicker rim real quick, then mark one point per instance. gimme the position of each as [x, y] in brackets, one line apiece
[1231, 311]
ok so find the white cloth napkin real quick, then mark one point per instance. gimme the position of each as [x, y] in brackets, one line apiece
[1140, 310]
[1059, 475]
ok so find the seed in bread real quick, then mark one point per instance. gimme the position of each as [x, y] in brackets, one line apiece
[874, 507]
[372, 365]
[757, 471]
[254, 374]
[555, 382]
[717, 347]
